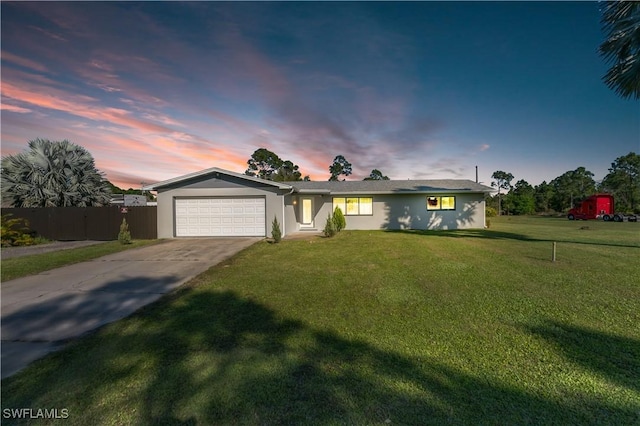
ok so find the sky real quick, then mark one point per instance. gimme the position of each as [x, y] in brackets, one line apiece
[418, 90]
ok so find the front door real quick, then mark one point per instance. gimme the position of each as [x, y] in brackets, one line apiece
[307, 212]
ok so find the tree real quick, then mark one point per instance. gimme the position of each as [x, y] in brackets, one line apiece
[583, 182]
[287, 172]
[376, 175]
[53, 174]
[263, 164]
[523, 198]
[339, 167]
[623, 181]
[501, 180]
[542, 195]
[571, 186]
[621, 24]
[267, 165]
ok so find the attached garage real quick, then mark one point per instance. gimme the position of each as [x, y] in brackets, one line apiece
[220, 217]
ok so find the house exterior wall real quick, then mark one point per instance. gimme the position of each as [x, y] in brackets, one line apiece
[213, 187]
[290, 214]
[409, 211]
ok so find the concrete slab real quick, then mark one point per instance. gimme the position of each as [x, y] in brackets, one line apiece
[41, 312]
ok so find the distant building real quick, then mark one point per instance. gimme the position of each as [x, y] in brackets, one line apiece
[128, 200]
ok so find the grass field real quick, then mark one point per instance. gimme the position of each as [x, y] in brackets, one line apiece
[34, 264]
[454, 327]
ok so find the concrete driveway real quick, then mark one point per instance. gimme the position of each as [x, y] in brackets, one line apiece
[42, 312]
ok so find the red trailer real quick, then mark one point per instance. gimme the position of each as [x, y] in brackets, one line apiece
[598, 206]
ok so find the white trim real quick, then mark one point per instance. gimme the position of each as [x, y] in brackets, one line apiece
[311, 223]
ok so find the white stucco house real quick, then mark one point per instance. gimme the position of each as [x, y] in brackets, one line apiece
[217, 202]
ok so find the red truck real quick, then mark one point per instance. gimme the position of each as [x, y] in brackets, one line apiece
[598, 206]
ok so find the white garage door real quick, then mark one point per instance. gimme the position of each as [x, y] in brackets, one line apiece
[220, 217]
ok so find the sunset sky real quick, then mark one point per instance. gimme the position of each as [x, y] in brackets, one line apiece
[418, 90]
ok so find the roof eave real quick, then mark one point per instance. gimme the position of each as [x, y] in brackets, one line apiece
[213, 170]
[313, 191]
[439, 191]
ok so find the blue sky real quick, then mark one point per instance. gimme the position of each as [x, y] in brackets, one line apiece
[417, 90]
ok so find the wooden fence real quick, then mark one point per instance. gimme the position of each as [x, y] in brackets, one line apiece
[88, 223]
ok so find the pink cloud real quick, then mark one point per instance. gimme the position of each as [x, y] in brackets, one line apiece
[23, 62]
[13, 108]
[79, 105]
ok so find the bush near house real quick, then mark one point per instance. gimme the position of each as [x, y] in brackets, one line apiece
[339, 220]
[124, 236]
[276, 233]
[330, 227]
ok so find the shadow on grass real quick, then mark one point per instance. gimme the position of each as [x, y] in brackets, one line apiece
[206, 357]
[500, 235]
[617, 358]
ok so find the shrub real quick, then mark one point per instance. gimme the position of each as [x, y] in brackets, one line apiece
[276, 233]
[491, 212]
[124, 236]
[15, 232]
[330, 227]
[338, 219]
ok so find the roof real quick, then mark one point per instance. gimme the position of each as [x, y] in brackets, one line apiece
[390, 186]
[345, 187]
[213, 171]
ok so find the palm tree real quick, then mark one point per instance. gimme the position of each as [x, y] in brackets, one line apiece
[621, 23]
[53, 174]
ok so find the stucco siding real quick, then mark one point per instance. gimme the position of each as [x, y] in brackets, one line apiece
[290, 216]
[409, 211]
[166, 206]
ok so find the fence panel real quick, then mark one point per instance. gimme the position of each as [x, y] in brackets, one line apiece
[88, 223]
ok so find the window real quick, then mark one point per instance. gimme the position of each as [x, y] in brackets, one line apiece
[366, 206]
[441, 203]
[354, 206]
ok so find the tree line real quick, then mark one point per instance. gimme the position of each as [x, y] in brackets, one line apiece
[266, 164]
[58, 174]
[568, 189]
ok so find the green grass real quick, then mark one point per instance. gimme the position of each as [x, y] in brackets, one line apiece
[34, 264]
[456, 327]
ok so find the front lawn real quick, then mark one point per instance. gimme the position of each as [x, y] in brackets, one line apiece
[17, 267]
[373, 327]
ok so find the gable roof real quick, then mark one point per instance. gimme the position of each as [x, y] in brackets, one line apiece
[391, 186]
[213, 171]
[344, 187]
